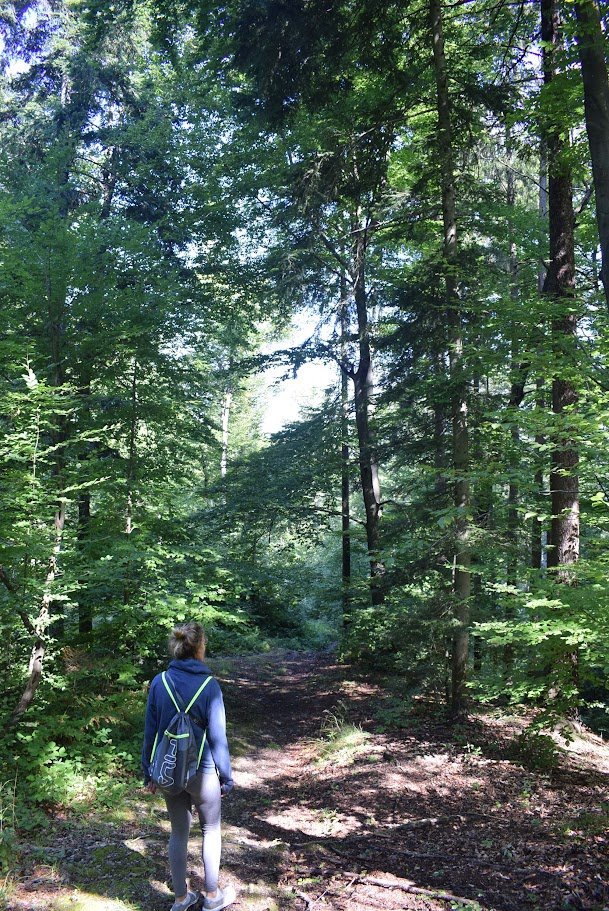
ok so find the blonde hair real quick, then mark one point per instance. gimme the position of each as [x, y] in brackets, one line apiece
[186, 639]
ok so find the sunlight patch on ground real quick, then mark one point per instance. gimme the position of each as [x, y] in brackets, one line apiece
[359, 688]
[254, 842]
[139, 845]
[164, 825]
[262, 764]
[433, 760]
[245, 779]
[398, 781]
[590, 749]
[316, 823]
[255, 897]
[85, 901]
[161, 887]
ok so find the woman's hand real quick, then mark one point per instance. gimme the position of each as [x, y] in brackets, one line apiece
[151, 787]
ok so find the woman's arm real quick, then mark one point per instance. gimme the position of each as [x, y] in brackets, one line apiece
[216, 737]
[150, 731]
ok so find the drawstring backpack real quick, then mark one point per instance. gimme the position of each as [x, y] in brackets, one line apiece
[176, 756]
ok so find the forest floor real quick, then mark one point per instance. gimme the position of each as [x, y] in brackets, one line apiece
[331, 811]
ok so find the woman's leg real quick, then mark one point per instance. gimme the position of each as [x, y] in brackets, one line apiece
[206, 797]
[180, 816]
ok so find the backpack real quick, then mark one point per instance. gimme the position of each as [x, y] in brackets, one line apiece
[176, 756]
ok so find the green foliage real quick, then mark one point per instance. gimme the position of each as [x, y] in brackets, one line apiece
[8, 837]
[535, 750]
[406, 635]
[395, 712]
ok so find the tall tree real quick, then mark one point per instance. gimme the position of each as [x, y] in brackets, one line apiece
[592, 49]
[460, 431]
[560, 287]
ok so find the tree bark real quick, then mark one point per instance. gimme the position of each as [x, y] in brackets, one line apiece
[83, 528]
[591, 46]
[560, 286]
[85, 614]
[537, 554]
[460, 434]
[39, 627]
[517, 393]
[363, 382]
[131, 476]
[226, 407]
[131, 471]
[344, 463]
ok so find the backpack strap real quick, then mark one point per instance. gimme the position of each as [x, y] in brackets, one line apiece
[176, 699]
[197, 694]
[189, 706]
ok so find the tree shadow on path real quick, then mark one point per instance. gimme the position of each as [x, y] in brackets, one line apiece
[310, 828]
[426, 811]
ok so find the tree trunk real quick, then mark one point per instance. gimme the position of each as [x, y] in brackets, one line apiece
[517, 382]
[56, 310]
[560, 285]
[35, 671]
[226, 406]
[462, 575]
[344, 463]
[132, 453]
[537, 553]
[363, 381]
[517, 392]
[83, 528]
[131, 475]
[591, 46]
[39, 627]
[85, 615]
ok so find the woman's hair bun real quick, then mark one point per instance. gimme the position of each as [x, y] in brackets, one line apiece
[186, 639]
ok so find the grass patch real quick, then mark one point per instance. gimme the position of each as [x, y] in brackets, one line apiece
[342, 741]
[589, 823]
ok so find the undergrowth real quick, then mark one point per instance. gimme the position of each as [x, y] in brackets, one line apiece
[341, 741]
[8, 841]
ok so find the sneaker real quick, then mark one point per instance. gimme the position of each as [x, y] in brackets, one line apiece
[189, 902]
[223, 899]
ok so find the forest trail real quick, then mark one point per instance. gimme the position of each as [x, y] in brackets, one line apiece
[329, 812]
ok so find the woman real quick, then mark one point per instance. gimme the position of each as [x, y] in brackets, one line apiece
[214, 776]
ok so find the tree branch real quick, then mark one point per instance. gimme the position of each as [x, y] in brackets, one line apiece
[12, 588]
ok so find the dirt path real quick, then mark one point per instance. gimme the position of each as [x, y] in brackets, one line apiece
[330, 813]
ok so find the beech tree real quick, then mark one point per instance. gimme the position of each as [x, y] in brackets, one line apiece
[460, 433]
[592, 54]
[560, 284]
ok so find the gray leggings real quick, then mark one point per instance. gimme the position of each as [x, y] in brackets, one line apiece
[204, 792]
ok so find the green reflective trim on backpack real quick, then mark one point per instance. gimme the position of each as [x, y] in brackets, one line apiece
[168, 688]
[156, 740]
[197, 694]
[201, 750]
[176, 736]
